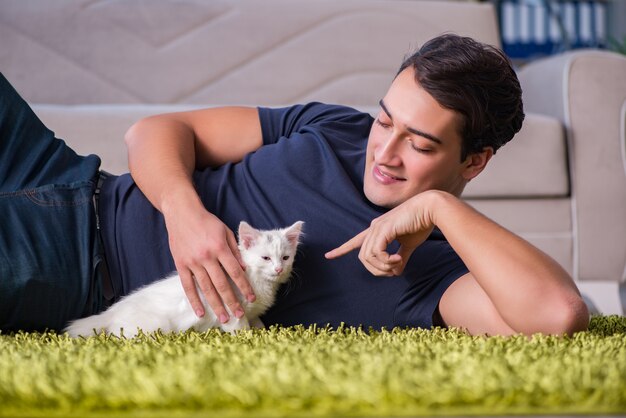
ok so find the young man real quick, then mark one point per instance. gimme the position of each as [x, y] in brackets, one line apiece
[389, 186]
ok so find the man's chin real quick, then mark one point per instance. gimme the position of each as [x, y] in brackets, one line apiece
[378, 199]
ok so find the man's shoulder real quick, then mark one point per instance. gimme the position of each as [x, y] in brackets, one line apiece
[315, 112]
[322, 118]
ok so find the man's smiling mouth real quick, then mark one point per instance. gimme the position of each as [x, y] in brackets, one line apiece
[385, 178]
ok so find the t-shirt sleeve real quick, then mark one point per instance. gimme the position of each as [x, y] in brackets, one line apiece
[435, 267]
[279, 123]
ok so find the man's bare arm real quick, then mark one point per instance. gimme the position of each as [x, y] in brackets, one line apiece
[163, 152]
[528, 291]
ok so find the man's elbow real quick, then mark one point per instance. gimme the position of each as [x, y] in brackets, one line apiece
[135, 131]
[570, 316]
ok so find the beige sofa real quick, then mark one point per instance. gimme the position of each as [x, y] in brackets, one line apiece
[91, 68]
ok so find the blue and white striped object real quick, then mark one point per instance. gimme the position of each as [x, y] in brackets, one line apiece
[540, 27]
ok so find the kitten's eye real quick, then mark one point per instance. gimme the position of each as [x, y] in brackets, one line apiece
[266, 258]
[286, 258]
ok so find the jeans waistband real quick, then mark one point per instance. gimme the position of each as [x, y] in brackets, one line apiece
[107, 282]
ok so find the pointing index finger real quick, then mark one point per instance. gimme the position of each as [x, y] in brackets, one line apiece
[350, 245]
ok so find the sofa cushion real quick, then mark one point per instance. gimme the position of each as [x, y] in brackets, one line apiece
[99, 129]
[533, 165]
[545, 223]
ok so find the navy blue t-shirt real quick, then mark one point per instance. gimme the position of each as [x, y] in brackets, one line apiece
[311, 169]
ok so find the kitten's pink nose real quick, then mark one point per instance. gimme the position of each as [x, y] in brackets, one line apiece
[278, 270]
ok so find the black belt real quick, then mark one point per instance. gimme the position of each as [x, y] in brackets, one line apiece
[107, 283]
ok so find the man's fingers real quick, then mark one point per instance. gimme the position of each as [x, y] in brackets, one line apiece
[234, 271]
[234, 248]
[224, 289]
[211, 295]
[375, 270]
[389, 265]
[403, 255]
[189, 286]
[405, 252]
[381, 264]
[235, 268]
[348, 246]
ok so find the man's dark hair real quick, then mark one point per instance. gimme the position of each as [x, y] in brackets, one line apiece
[477, 81]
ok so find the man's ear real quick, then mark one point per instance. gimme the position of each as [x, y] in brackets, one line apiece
[475, 163]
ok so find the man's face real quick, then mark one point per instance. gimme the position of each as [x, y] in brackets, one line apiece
[413, 146]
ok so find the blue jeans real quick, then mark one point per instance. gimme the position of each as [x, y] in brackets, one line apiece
[49, 246]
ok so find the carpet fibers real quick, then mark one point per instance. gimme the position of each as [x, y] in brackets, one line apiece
[315, 372]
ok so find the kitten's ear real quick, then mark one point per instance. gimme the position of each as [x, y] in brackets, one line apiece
[247, 234]
[293, 232]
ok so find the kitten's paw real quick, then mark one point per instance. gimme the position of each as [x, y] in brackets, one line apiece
[236, 324]
[80, 329]
[257, 323]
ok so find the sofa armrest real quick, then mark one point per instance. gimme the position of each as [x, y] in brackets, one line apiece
[586, 91]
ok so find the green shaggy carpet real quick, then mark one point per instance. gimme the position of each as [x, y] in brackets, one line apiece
[315, 372]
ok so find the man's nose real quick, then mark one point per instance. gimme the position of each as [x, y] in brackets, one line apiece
[387, 152]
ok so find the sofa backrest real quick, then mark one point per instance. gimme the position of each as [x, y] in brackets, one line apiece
[215, 52]
[92, 67]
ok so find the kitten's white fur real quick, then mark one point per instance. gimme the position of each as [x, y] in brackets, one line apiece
[268, 256]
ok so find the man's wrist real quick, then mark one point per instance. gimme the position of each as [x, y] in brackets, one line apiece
[177, 197]
[434, 204]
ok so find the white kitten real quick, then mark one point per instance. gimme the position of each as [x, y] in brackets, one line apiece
[268, 256]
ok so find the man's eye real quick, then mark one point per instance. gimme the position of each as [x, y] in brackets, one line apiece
[384, 125]
[418, 149]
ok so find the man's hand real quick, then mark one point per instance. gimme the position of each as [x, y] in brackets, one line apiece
[409, 223]
[205, 252]
[163, 152]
